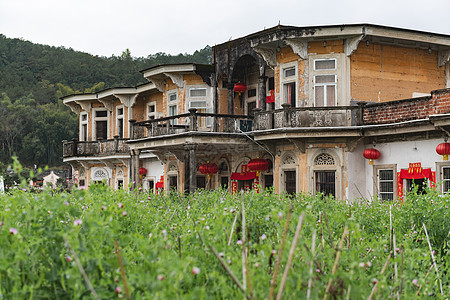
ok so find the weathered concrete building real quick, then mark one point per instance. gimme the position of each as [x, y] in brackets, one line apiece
[308, 100]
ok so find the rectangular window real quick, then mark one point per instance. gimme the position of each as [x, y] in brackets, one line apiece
[173, 97]
[84, 127]
[271, 83]
[120, 122]
[289, 93]
[151, 111]
[386, 184]
[290, 182]
[101, 124]
[197, 92]
[289, 72]
[446, 180]
[325, 64]
[326, 183]
[324, 90]
[251, 93]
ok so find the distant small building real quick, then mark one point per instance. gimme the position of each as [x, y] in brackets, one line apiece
[51, 179]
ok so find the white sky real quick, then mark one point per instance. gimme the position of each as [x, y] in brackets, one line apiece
[107, 27]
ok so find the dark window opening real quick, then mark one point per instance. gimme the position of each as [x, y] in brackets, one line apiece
[173, 183]
[271, 83]
[85, 133]
[250, 108]
[268, 181]
[120, 127]
[101, 113]
[120, 184]
[81, 183]
[201, 182]
[289, 90]
[224, 182]
[251, 93]
[417, 185]
[290, 179]
[326, 183]
[151, 185]
[101, 130]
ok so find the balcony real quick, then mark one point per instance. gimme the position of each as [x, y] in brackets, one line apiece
[95, 148]
[196, 122]
[301, 117]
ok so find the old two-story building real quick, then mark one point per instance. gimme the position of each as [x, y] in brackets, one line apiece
[291, 108]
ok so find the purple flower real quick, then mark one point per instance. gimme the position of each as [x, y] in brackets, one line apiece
[77, 222]
[13, 231]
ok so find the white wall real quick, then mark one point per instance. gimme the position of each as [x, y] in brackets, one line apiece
[155, 169]
[360, 173]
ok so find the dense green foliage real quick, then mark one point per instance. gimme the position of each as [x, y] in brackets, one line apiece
[166, 244]
[32, 78]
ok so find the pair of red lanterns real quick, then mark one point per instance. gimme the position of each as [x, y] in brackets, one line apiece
[256, 165]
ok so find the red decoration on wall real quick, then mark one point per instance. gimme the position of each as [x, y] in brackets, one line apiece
[208, 169]
[142, 171]
[233, 187]
[271, 98]
[371, 154]
[414, 171]
[240, 88]
[443, 149]
[258, 165]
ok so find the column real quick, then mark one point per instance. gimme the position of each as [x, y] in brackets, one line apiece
[192, 170]
[230, 99]
[262, 92]
[134, 168]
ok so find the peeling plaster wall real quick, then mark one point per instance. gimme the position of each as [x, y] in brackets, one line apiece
[382, 72]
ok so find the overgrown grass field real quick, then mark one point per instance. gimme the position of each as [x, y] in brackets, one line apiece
[103, 244]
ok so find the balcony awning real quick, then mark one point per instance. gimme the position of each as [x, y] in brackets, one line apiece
[243, 176]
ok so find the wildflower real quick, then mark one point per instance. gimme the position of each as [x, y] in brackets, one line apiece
[229, 262]
[66, 203]
[318, 270]
[221, 254]
[150, 235]
[274, 252]
[263, 237]
[13, 231]
[233, 210]
[207, 227]
[225, 209]
[68, 258]
[239, 242]
[368, 264]
[397, 250]
[120, 205]
[188, 207]
[124, 213]
[77, 222]
[161, 277]
[103, 207]
[374, 281]
[118, 290]
[195, 271]
[257, 265]
[415, 281]
[362, 265]
[280, 215]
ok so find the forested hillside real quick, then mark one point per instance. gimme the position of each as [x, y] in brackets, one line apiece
[33, 121]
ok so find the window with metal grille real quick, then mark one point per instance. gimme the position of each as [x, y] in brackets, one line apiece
[251, 93]
[386, 184]
[446, 180]
[290, 182]
[326, 182]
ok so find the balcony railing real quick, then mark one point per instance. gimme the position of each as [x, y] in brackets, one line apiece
[192, 121]
[298, 117]
[92, 148]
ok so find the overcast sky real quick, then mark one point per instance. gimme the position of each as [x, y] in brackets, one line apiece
[108, 27]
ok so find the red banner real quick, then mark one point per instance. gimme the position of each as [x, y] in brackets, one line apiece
[271, 98]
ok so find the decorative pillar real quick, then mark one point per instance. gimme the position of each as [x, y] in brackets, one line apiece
[262, 92]
[191, 175]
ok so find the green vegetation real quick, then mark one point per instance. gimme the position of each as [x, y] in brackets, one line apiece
[99, 243]
[32, 77]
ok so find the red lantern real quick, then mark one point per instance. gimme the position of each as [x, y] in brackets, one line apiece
[443, 149]
[258, 165]
[371, 154]
[208, 169]
[240, 88]
[142, 171]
